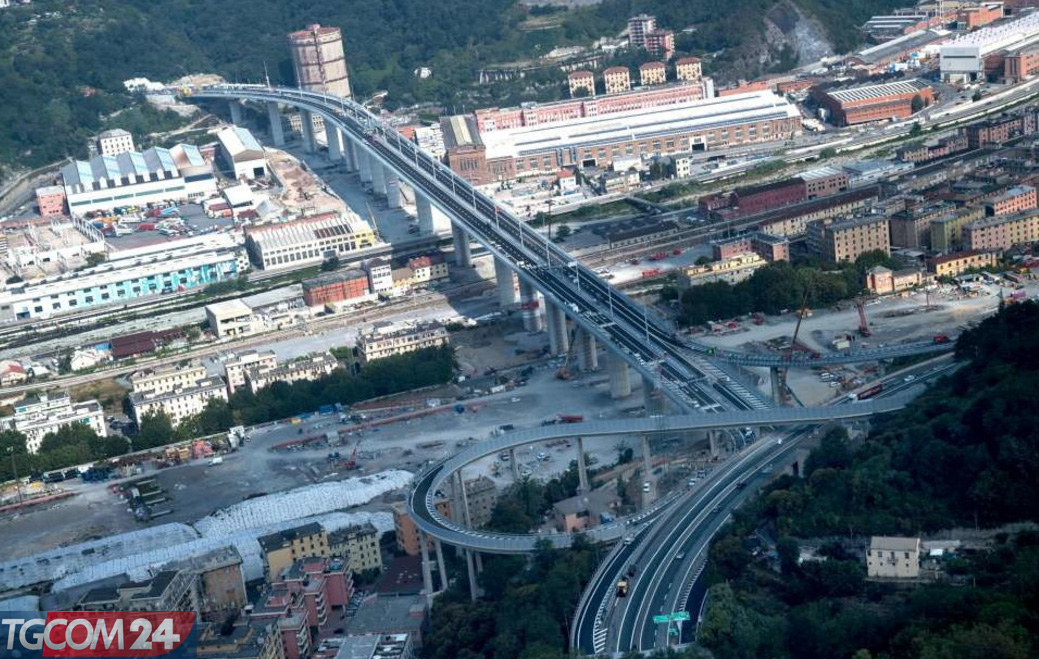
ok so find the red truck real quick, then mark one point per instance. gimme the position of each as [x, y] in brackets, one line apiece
[570, 418]
[659, 256]
[941, 338]
[652, 272]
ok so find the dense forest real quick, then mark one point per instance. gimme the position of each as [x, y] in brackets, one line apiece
[964, 455]
[775, 287]
[62, 63]
[78, 444]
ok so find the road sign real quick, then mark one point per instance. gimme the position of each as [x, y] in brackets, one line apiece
[661, 619]
[680, 615]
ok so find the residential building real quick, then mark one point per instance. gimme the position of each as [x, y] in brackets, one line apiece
[325, 586]
[377, 344]
[928, 151]
[951, 265]
[768, 247]
[652, 73]
[50, 200]
[137, 179]
[824, 182]
[246, 639]
[336, 289]
[220, 587]
[12, 373]
[114, 282]
[689, 69]
[617, 79]
[891, 557]
[380, 275]
[391, 615]
[635, 232]
[845, 240]
[169, 590]
[407, 533]
[242, 153]
[638, 27]
[793, 220]
[882, 281]
[911, 228]
[586, 510]
[38, 416]
[236, 366]
[114, 142]
[283, 548]
[167, 378]
[480, 496]
[1014, 200]
[999, 130]
[308, 240]
[319, 61]
[947, 231]
[359, 545]
[581, 84]
[893, 100]
[751, 200]
[424, 269]
[661, 43]
[180, 403]
[230, 318]
[733, 270]
[1001, 232]
[309, 367]
[541, 150]
[619, 182]
[287, 610]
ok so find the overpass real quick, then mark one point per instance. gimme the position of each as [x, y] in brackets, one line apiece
[422, 499]
[634, 336]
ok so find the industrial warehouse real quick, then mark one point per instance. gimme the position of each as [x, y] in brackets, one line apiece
[484, 157]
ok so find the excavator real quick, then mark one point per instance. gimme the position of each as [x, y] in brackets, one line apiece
[351, 463]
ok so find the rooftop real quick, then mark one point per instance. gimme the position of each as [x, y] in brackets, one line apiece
[890, 543]
[229, 309]
[240, 143]
[876, 91]
[379, 615]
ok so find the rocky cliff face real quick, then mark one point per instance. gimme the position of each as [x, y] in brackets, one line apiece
[788, 37]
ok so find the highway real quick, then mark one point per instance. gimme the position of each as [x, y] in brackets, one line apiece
[605, 623]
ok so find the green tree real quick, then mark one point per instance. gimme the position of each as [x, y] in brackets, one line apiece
[916, 104]
[96, 258]
[916, 130]
[330, 263]
[216, 417]
[155, 430]
[563, 232]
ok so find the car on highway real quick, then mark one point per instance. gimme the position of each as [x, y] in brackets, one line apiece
[679, 556]
[645, 486]
[628, 539]
[909, 378]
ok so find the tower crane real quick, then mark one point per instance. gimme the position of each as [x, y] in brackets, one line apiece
[802, 312]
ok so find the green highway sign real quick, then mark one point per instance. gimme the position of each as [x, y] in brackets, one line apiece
[680, 615]
[661, 619]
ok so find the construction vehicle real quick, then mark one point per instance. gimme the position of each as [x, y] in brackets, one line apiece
[351, 463]
[860, 306]
[565, 371]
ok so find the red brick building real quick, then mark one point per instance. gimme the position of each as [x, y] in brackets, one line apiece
[759, 198]
[1000, 129]
[1016, 199]
[824, 182]
[336, 287]
[971, 18]
[856, 105]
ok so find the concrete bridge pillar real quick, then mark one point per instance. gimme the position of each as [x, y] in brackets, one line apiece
[427, 572]
[306, 120]
[558, 337]
[582, 468]
[335, 141]
[712, 437]
[364, 165]
[474, 588]
[378, 178]
[587, 352]
[440, 565]
[463, 254]
[393, 195]
[277, 130]
[529, 298]
[654, 398]
[236, 112]
[514, 464]
[506, 284]
[776, 384]
[349, 153]
[424, 210]
[441, 221]
[620, 377]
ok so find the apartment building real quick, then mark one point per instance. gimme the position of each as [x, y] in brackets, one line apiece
[337, 288]
[309, 367]
[581, 83]
[164, 379]
[845, 240]
[689, 69]
[114, 142]
[882, 281]
[1014, 200]
[652, 73]
[38, 416]
[1002, 232]
[230, 318]
[951, 265]
[733, 270]
[246, 639]
[893, 558]
[639, 27]
[237, 366]
[947, 230]
[661, 43]
[480, 496]
[169, 590]
[911, 227]
[377, 344]
[359, 545]
[180, 403]
[771, 248]
[282, 548]
[617, 79]
[407, 533]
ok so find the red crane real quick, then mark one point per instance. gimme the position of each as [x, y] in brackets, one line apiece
[860, 305]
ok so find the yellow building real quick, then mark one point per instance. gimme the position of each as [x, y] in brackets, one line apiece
[845, 240]
[947, 231]
[955, 264]
[652, 73]
[164, 379]
[283, 548]
[688, 69]
[733, 270]
[617, 79]
[893, 558]
[376, 345]
[359, 545]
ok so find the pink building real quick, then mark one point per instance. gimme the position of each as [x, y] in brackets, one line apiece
[51, 200]
[661, 43]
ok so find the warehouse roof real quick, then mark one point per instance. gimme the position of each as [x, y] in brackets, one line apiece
[876, 91]
[129, 164]
[240, 144]
[640, 124]
[307, 230]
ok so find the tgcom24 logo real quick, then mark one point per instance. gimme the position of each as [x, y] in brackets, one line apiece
[34, 635]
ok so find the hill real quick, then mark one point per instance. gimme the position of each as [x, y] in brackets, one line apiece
[62, 62]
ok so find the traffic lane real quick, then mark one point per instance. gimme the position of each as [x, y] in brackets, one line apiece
[607, 580]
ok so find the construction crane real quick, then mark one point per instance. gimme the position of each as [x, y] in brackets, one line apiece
[565, 372]
[802, 313]
[351, 463]
[860, 306]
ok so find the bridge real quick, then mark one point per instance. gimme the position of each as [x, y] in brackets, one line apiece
[423, 497]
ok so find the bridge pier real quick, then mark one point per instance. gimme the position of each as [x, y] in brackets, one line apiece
[236, 112]
[515, 466]
[364, 166]
[712, 438]
[587, 351]
[506, 284]
[306, 122]
[463, 253]
[654, 398]
[378, 177]
[529, 298]
[776, 384]
[349, 153]
[440, 564]
[558, 338]
[393, 195]
[620, 377]
[474, 588]
[582, 468]
[427, 572]
[277, 130]
[335, 141]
